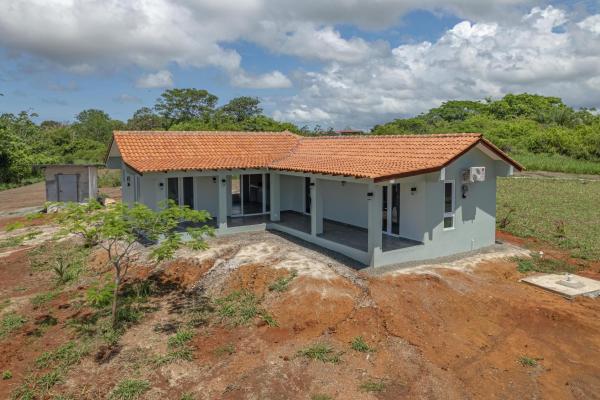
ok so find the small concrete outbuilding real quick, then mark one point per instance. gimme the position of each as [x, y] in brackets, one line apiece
[69, 182]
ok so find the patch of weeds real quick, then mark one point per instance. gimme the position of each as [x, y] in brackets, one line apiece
[359, 344]
[187, 396]
[6, 375]
[241, 307]
[43, 323]
[373, 386]
[37, 384]
[321, 397]
[544, 264]
[34, 216]
[227, 349]
[322, 352]
[43, 298]
[12, 241]
[66, 259]
[14, 225]
[100, 297]
[180, 339]
[11, 322]
[528, 361]
[129, 389]
[178, 348]
[66, 355]
[281, 284]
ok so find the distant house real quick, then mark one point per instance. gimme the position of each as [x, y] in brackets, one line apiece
[377, 199]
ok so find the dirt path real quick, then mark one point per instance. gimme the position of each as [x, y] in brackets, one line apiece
[35, 196]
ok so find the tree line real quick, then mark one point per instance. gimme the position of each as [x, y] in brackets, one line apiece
[522, 124]
[24, 143]
[517, 123]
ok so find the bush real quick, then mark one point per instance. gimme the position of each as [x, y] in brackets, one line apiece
[100, 297]
[109, 178]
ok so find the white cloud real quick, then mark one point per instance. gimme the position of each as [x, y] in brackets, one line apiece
[125, 98]
[469, 61]
[271, 80]
[160, 79]
[92, 35]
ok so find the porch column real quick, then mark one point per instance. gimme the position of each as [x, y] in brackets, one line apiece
[316, 207]
[222, 198]
[275, 197]
[374, 205]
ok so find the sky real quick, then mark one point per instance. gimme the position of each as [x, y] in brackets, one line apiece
[337, 63]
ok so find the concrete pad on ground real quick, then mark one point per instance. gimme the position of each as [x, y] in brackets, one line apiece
[567, 285]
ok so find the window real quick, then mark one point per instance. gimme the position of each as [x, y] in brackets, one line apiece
[188, 191]
[173, 189]
[448, 204]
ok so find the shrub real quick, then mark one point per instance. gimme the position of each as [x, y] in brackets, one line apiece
[100, 297]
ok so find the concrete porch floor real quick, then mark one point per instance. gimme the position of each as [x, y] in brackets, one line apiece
[348, 235]
[338, 232]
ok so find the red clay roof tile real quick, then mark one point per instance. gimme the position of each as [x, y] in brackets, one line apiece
[365, 156]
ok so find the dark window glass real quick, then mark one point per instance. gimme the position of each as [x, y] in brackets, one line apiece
[173, 189]
[448, 222]
[396, 209]
[188, 191]
[448, 197]
[384, 208]
[268, 194]
[307, 195]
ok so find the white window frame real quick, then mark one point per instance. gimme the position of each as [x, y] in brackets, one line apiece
[453, 212]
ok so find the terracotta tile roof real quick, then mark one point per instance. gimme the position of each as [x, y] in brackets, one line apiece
[365, 156]
[170, 151]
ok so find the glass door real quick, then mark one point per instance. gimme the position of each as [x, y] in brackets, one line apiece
[188, 191]
[390, 209]
[307, 199]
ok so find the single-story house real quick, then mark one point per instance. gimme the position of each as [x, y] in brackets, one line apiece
[376, 199]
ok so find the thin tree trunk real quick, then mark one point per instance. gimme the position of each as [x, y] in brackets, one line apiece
[115, 298]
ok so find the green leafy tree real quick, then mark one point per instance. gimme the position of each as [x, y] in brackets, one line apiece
[180, 105]
[145, 119]
[15, 159]
[242, 108]
[96, 125]
[119, 230]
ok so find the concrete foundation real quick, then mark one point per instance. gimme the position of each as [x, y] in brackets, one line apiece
[567, 285]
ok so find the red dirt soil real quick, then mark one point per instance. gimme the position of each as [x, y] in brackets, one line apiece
[444, 335]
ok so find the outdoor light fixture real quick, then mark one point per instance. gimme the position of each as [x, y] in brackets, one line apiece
[223, 180]
[161, 184]
[214, 179]
[343, 183]
[312, 184]
[465, 189]
[413, 190]
[370, 194]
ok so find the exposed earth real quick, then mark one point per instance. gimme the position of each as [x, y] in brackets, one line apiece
[465, 329]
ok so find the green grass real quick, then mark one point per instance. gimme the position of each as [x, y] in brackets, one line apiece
[187, 396]
[321, 352]
[13, 226]
[359, 344]
[241, 307]
[180, 339]
[10, 323]
[178, 348]
[281, 284]
[563, 213]
[545, 265]
[528, 361]
[556, 163]
[129, 389]
[321, 397]
[6, 375]
[43, 298]
[373, 386]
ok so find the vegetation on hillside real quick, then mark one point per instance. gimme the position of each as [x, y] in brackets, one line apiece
[542, 132]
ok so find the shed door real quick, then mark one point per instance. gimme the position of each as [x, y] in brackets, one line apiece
[67, 187]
